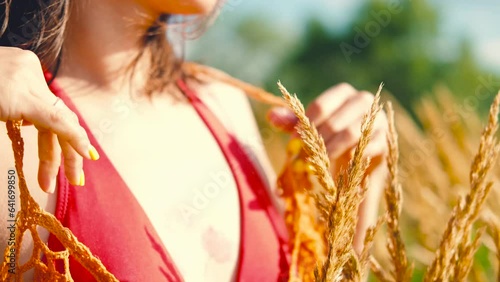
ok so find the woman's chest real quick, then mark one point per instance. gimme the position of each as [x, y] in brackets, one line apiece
[177, 172]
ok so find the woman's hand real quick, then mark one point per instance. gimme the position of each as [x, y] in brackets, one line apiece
[24, 94]
[337, 114]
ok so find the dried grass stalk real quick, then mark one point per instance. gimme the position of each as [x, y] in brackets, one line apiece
[465, 213]
[393, 198]
[342, 217]
[464, 257]
[301, 212]
[378, 271]
[315, 148]
[494, 231]
[338, 204]
[364, 257]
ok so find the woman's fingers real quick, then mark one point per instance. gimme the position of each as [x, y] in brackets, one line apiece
[25, 95]
[49, 154]
[342, 129]
[347, 138]
[66, 134]
[343, 140]
[377, 145]
[282, 118]
[357, 106]
[73, 164]
[348, 114]
[375, 150]
[329, 102]
[60, 120]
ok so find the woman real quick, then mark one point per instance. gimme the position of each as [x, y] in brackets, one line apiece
[174, 196]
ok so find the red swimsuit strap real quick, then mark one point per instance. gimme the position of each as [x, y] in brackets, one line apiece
[244, 169]
[224, 137]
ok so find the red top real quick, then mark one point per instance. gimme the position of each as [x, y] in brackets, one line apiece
[107, 218]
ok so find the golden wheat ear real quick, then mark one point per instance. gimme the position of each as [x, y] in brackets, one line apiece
[314, 145]
[494, 231]
[338, 203]
[402, 271]
[456, 237]
[302, 214]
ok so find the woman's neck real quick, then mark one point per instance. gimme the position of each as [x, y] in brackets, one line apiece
[103, 37]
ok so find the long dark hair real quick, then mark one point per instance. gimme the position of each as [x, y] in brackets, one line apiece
[40, 25]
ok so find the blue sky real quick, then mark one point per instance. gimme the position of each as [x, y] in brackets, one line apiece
[477, 20]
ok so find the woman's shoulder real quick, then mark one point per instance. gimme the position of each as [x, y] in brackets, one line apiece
[216, 86]
[229, 104]
[233, 108]
[223, 92]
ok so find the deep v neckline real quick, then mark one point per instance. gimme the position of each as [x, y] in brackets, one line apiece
[105, 160]
[263, 251]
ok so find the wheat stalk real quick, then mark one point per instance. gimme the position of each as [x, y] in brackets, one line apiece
[315, 148]
[393, 198]
[493, 224]
[465, 213]
[342, 261]
[339, 205]
[464, 257]
[364, 257]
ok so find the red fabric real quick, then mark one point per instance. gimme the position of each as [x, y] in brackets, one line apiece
[107, 218]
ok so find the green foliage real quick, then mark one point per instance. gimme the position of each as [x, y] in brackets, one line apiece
[391, 41]
[482, 261]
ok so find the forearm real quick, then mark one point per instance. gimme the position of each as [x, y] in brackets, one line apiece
[368, 211]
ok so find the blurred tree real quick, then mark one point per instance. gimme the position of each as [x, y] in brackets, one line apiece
[391, 41]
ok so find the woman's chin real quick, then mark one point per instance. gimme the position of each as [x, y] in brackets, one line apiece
[183, 7]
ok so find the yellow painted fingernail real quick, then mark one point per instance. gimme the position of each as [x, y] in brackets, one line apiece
[299, 166]
[82, 179]
[94, 155]
[310, 168]
[294, 146]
